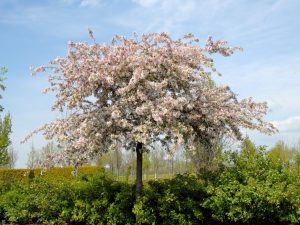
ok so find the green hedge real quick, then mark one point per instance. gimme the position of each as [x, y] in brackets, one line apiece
[92, 199]
[56, 174]
[98, 199]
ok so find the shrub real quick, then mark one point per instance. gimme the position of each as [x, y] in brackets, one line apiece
[101, 200]
[37, 202]
[250, 189]
[175, 201]
[94, 199]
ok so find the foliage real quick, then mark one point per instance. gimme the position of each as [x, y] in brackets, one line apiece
[92, 200]
[38, 202]
[5, 127]
[5, 130]
[53, 175]
[175, 201]
[250, 188]
[101, 200]
[281, 152]
[246, 187]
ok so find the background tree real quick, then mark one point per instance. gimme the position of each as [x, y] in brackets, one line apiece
[46, 153]
[5, 130]
[33, 158]
[136, 91]
[48, 149]
[281, 152]
[146, 163]
[105, 161]
[118, 160]
[297, 161]
[13, 157]
[130, 166]
[5, 127]
[156, 156]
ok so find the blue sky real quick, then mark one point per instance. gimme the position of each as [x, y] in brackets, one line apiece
[34, 32]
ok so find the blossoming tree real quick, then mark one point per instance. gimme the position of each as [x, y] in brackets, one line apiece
[137, 91]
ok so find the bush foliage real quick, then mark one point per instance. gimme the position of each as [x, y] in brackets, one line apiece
[248, 187]
[56, 174]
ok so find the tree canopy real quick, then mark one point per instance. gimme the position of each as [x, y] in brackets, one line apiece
[142, 90]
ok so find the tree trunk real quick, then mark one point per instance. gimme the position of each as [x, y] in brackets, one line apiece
[172, 166]
[139, 169]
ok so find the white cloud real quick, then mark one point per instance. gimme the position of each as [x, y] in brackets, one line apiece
[291, 124]
[90, 3]
[274, 79]
[146, 3]
[47, 20]
[82, 3]
[158, 15]
[68, 2]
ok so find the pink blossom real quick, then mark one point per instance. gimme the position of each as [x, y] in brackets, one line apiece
[142, 89]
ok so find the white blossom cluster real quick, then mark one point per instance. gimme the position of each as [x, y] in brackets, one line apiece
[144, 89]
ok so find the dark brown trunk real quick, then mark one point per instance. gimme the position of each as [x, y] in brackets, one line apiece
[139, 169]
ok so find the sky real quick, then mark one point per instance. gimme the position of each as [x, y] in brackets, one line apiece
[32, 32]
